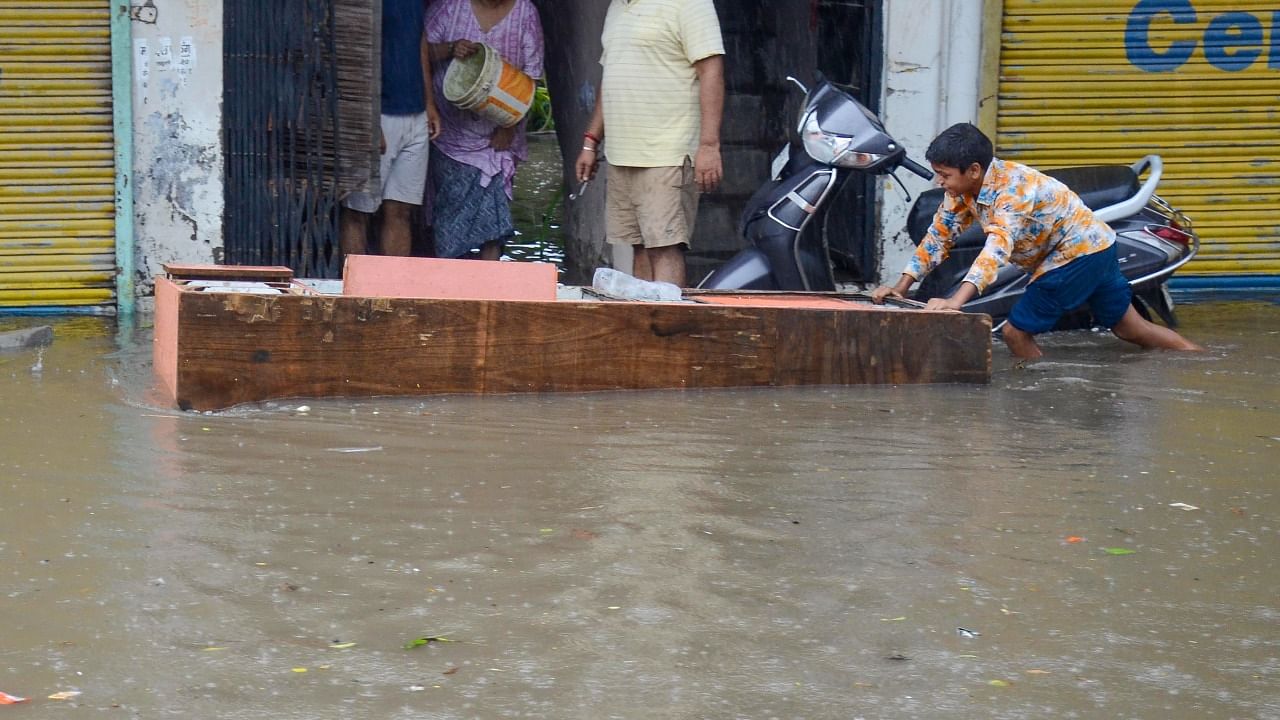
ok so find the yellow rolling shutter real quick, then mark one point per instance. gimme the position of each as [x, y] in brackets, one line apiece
[1087, 82]
[57, 171]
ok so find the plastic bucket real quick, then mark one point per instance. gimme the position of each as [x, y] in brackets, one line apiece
[489, 86]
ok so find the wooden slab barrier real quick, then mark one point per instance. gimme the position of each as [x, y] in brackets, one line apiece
[216, 350]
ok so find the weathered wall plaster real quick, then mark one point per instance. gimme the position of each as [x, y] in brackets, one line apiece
[933, 51]
[178, 162]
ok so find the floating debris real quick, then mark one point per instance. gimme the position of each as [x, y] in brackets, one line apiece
[426, 640]
[967, 633]
[1183, 506]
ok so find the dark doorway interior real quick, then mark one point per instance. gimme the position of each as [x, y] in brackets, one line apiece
[850, 51]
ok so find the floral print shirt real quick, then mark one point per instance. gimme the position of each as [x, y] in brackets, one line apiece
[1031, 220]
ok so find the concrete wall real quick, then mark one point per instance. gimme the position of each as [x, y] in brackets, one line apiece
[177, 114]
[933, 76]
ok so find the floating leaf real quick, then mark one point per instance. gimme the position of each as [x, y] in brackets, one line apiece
[341, 646]
[897, 619]
[998, 683]
[419, 642]
[65, 695]
[299, 669]
[1073, 539]
[1038, 672]
[1119, 551]
[7, 699]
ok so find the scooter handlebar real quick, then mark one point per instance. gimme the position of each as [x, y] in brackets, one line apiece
[916, 168]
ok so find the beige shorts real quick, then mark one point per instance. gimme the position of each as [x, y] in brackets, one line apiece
[654, 207]
[404, 164]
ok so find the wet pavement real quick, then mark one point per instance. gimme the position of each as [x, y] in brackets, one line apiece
[1103, 526]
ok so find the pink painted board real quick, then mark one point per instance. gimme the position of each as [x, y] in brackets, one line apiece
[438, 279]
[165, 349]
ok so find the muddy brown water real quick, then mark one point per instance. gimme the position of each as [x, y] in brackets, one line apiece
[730, 554]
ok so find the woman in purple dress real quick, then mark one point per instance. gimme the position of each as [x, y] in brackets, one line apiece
[474, 160]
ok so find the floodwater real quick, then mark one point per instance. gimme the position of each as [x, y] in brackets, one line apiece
[1103, 525]
[537, 207]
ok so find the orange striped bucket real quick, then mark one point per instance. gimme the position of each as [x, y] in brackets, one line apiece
[489, 86]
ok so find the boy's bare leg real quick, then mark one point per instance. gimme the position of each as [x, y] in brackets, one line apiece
[396, 237]
[491, 250]
[1021, 343]
[353, 232]
[667, 264]
[1140, 331]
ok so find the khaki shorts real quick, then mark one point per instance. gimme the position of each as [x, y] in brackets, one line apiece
[404, 164]
[654, 207]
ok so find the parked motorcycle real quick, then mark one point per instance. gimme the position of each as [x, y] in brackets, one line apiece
[784, 221]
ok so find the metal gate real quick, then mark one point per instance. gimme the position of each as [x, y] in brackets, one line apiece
[300, 121]
[1196, 81]
[57, 157]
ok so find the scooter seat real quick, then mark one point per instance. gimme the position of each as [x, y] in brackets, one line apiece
[920, 217]
[1099, 185]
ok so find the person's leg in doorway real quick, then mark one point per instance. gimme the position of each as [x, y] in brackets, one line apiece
[641, 266]
[396, 237]
[353, 232]
[404, 178]
[667, 264]
[666, 209]
[492, 250]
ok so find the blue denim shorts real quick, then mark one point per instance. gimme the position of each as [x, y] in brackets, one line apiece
[1094, 279]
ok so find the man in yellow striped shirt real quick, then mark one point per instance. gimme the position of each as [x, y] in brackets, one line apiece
[660, 102]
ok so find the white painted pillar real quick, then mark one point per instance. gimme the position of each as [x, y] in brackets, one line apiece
[933, 67]
[177, 119]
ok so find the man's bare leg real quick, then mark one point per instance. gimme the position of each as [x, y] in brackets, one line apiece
[1138, 330]
[353, 232]
[396, 236]
[1021, 343]
[491, 250]
[641, 267]
[667, 264]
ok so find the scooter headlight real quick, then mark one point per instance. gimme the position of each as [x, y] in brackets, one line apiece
[833, 149]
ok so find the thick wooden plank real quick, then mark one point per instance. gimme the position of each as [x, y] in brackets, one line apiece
[263, 273]
[235, 348]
